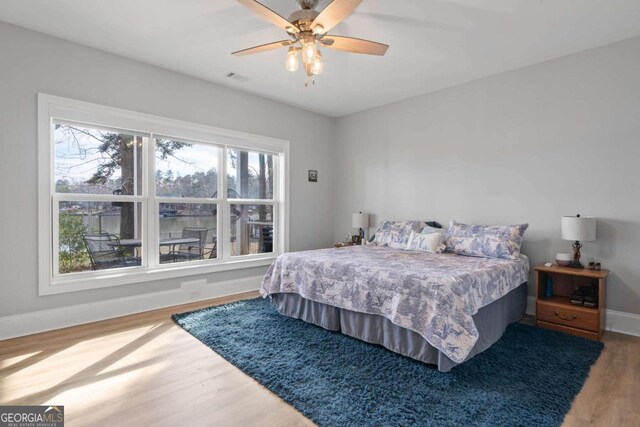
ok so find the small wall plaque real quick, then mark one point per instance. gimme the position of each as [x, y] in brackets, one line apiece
[313, 176]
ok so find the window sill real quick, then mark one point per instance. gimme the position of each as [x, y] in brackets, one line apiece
[83, 282]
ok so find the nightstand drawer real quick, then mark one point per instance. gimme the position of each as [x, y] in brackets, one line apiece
[566, 315]
[568, 330]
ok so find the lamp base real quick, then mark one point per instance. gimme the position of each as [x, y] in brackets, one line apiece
[575, 264]
[576, 256]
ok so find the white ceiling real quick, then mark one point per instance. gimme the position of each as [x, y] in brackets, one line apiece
[434, 43]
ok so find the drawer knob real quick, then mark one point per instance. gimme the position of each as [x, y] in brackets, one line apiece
[564, 317]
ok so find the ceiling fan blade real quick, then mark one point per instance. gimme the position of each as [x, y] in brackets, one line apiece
[263, 48]
[350, 44]
[268, 14]
[334, 13]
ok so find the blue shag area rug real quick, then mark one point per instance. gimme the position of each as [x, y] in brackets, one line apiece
[528, 378]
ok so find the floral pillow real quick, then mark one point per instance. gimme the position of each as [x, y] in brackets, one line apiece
[427, 242]
[396, 234]
[383, 235]
[490, 241]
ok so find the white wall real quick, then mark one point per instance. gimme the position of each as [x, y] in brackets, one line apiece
[530, 145]
[553, 139]
[31, 62]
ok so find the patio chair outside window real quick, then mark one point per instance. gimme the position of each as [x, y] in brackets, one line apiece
[105, 252]
[211, 249]
[191, 251]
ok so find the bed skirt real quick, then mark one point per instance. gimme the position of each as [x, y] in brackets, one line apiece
[491, 322]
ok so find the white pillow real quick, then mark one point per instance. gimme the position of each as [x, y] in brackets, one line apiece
[432, 243]
[430, 230]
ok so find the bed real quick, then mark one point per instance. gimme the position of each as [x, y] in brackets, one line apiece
[440, 309]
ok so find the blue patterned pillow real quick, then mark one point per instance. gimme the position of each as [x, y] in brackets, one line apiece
[382, 236]
[490, 241]
[396, 234]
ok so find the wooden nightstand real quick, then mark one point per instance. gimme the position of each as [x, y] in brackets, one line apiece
[344, 244]
[558, 313]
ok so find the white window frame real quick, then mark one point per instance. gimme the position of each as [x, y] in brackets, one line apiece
[52, 108]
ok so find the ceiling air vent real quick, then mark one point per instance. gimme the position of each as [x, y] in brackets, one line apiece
[237, 77]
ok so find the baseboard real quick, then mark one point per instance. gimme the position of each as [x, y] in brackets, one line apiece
[625, 323]
[617, 321]
[47, 320]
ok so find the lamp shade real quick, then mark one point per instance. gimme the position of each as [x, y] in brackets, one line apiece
[360, 220]
[579, 228]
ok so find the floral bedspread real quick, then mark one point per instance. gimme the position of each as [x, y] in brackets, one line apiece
[435, 295]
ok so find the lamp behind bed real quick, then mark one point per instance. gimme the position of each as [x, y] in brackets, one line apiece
[360, 221]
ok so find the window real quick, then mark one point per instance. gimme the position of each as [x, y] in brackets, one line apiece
[250, 191]
[186, 181]
[121, 201]
[97, 201]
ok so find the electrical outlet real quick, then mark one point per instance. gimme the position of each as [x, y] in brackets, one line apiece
[194, 288]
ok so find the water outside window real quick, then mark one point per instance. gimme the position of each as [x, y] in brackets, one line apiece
[187, 232]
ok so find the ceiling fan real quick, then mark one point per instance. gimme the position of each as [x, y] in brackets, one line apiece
[307, 30]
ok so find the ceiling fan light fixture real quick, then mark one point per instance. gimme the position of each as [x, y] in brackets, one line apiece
[307, 30]
[309, 51]
[317, 65]
[292, 60]
[319, 30]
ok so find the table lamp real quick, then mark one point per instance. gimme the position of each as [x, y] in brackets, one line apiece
[360, 221]
[578, 229]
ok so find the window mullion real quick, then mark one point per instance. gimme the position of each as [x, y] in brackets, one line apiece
[194, 200]
[276, 207]
[224, 225]
[80, 197]
[55, 237]
[150, 241]
[252, 201]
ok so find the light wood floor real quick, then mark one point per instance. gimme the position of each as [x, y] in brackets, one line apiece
[144, 370]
